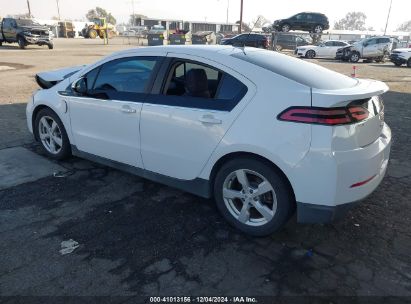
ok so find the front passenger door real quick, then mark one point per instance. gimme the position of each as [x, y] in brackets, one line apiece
[105, 121]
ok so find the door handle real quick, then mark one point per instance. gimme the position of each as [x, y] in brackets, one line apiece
[210, 119]
[128, 109]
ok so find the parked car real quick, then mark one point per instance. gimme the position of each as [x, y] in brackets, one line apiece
[247, 39]
[24, 32]
[401, 56]
[289, 41]
[375, 48]
[261, 132]
[326, 49]
[306, 21]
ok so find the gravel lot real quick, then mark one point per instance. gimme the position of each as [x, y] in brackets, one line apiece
[137, 237]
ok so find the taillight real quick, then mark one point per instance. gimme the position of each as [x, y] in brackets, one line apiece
[325, 116]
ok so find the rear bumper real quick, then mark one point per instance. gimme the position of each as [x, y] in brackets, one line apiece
[320, 214]
[335, 181]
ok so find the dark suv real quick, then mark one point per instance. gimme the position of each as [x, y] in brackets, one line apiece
[254, 40]
[289, 41]
[311, 22]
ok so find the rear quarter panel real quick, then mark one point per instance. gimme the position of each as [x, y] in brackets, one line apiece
[257, 129]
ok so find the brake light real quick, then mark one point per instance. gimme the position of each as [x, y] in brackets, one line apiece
[325, 116]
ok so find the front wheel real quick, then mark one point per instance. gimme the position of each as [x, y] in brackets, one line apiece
[50, 46]
[21, 42]
[50, 131]
[318, 29]
[310, 54]
[355, 57]
[253, 197]
[285, 28]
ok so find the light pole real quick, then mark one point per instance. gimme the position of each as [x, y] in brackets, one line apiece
[388, 17]
[228, 7]
[58, 9]
[241, 18]
[28, 5]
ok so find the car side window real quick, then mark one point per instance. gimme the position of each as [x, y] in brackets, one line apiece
[196, 85]
[299, 17]
[372, 41]
[129, 75]
[309, 17]
[329, 43]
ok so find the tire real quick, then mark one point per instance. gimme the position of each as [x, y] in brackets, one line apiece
[354, 57]
[318, 29]
[409, 63]
[50, 46]
[92, 34]
[21, 42]
[310, 54]
[397, 64]
[1, 43]
[47, 134]
[276, 201]
[285, 27]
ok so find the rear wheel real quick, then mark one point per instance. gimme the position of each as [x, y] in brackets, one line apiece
[50, 46]
[21, 42]
[252, 196]
[409, 63]
[50, 131]
[310, 54]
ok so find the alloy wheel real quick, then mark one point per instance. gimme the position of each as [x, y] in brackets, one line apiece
[50, 135]
[249, 197]
[318, 29]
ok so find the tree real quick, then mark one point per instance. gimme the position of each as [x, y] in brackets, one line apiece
[244, 27]
[99, 12]
[405, 27]
[351, 21]
[260, 21]
[136, 19]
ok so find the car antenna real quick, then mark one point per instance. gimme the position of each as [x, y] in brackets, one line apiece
[249, 33]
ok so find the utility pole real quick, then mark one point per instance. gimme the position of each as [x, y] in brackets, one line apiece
[58, 9]
[134, 14]
[388, 17]
[28, 5]
[241, 18]
[228, 7]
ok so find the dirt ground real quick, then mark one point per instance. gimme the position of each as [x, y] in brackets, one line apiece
[138, 238]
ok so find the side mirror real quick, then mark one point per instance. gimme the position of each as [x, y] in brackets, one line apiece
[80, 86]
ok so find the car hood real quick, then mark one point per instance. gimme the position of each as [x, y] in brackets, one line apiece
[403, 50]
[48, 79]
[307, 46]
[34, 28]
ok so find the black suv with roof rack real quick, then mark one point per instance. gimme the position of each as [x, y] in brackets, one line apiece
[305, 21]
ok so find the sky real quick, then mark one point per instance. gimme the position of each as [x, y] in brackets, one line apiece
[215, 10]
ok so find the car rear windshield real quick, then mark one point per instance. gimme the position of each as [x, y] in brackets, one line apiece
[306, 73]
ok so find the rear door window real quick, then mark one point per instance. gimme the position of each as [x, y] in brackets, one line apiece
[195, 85]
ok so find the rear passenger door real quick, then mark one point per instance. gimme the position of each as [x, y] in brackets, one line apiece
[180, 130]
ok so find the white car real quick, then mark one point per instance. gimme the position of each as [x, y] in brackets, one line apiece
[401, 56]
[327, 49]
[261, 132]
